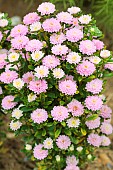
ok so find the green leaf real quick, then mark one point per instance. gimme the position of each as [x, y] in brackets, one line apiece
[31, 67]
[57, 133]
[63, 124]
[108, 75]
[92, 117]
[62, 103]
[83, 131]
[52, 95]
[26, 109]
[44, 132]
[67, 132]
[68, 66]
[17, 99]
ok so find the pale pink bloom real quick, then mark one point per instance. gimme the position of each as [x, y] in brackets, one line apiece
[41, 71]
[93, 103]
[15, 125]
[39, 152]
[27, 77]
[73, 58]
[68, 87]
[105, 140]
[1, 36]
[85, 19]
[72, 167]
[86, 68]
[2, 51]
[3, 22]
[73, 10]
[87, 47]
[106, 128]
[38, 86]
[73, 122]
[1, 92]
[31, 18]
[19, 30]
[46, 8]
[60, 49]
[59, 113]
[63, 142]
[95, 59]
[48, 143]
[99, 44]
[8, 102]
[71, 160]
[109, 66]
[58, 73]
[74, 34]
[19, 42]
[34, 45]
[94, 86]
[8, 76]
[75, 22]
[105, 53]
[37, 55]
[18, 83]
[36, 26]
[2, 60]
[105, 112]
[94, 139]
[57, 38]
[50, 61]
[51, 25]
[64, 17]
[10, 66]
[75, 107]
[39, 116]
[92, 124]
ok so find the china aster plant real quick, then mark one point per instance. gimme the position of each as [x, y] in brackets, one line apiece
[55, 78]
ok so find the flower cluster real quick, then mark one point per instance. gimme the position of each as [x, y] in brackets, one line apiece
[54, 73]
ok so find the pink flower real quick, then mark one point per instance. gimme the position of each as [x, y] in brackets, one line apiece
[51, 25]
[60, 49]
[34, 45]
[8, 76]
[105, 112]
[109, 66]
[46, 8]
[73, 10]
[73, 58]
[87, 47]
[57, 38]
[1, 36]
[94, 86]
[71, 167]
[99, 44]
[75, 107]
[92, 124]
[2, 60]
[75, 22]
[86, 68]
[93, 103]
[27, 77]
[39, 116]
[68, 87]
[105, 141]
[19, 30]
[71, 160]
[19, 42]
[64, 17]
[94, 139]
[63, 142]
[31, 18]
[59, 113]
[74, 35]
[8, 102]
[38, 86]
[41, 71]
[50, 61]
[106, 128]
[39, 152]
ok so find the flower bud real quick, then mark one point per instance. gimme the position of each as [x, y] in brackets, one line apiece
[79, 149]
[28, 147]
[89, 156]
[71, 148]
[57, 158]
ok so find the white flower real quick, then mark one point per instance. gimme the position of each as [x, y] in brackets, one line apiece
[73, 10]
[18, 83]
[13, 57]
[17, 113]
[57, 158]
[37, 55]
[3, 22]
[1, 15]
[41, 71]
[35, 26]
[73, 122]
[15, 125]
[31, 97]
[73, 57]
[85, 19]
[79, 149]
[95, 59]
[58, 73]
[28, 147]
[1, 90]
[105, 53]
[48, 143]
